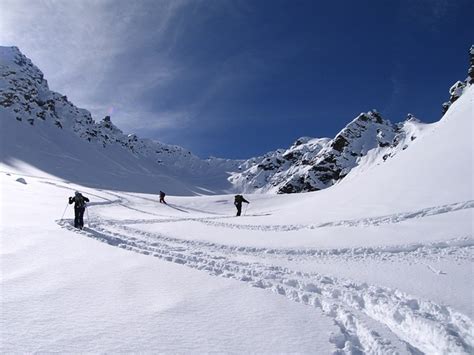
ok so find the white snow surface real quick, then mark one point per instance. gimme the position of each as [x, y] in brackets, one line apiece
[379, 263]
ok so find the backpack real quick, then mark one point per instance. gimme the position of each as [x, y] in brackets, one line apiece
[79, 199]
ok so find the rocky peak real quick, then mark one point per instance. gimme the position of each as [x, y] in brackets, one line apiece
[459, 87]
[301, 140]
[371, 116]
[411, 118]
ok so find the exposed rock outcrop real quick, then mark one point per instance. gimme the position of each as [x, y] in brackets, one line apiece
[459, 87]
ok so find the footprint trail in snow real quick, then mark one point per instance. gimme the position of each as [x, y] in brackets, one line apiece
[370, 319]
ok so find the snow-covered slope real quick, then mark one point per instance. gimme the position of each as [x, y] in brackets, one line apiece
[42, 128]
[378, 263]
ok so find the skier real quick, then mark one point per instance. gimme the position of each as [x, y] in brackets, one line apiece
[162, 197]
[238, 203]
[79, 208]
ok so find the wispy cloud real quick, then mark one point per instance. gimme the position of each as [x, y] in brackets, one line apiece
[159, 67]
[101, 54]
[430, 13]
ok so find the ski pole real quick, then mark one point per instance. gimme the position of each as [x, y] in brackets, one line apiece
[246, 209]
[88, 219]
[67, 204]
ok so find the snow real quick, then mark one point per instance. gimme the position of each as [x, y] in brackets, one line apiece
[63, 292]
[380, 262]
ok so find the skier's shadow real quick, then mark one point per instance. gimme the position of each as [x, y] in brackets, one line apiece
[176, 208]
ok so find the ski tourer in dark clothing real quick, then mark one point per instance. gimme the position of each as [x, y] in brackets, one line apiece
[162, 197]
[79, 208]
[238, 203]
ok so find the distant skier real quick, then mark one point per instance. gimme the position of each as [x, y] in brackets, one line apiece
[162, 197]
[79, 208]
[238, 203]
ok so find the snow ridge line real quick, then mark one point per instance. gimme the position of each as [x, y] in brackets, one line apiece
[372, 221]
[460, 247]
[422, 324]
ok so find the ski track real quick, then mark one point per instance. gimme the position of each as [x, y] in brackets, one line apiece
[370, 319]
[362, 222]
[457, 248]
[373, 221]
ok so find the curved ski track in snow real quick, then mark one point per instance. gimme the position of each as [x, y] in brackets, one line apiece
[371, 319]
[372, 221]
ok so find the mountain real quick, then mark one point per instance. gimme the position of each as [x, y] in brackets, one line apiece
[40, 125]
[45, 130]
[312, 164]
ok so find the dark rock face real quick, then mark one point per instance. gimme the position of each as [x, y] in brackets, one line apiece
[455, 93]
[458, 88]
[339, 143]
[25, 91]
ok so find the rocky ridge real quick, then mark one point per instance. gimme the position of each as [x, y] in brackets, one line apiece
[312, 164]
[25, 92]
[459, 87]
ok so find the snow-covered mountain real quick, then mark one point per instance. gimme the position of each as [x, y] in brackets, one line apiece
[312, 164]
[26, 100]
[36, 118]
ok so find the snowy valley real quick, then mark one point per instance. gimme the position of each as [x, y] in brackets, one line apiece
[375, 257]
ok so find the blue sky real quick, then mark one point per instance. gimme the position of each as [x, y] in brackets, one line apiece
[239, 78]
